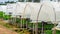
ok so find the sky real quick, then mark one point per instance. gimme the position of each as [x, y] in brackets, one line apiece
[7, 0]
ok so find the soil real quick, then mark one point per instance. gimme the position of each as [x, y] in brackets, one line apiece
[4, 30]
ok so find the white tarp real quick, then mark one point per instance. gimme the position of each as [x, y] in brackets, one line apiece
[27, 11]
[11, 8]
[20, 7]
[34, 12]
[3, 8]
[16, 9]
[47, 12]
[31, 10]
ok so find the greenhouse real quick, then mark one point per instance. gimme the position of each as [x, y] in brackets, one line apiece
[31, 17]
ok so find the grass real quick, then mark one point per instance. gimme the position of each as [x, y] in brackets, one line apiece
[24, 32]
[57, 32]
[50, 32]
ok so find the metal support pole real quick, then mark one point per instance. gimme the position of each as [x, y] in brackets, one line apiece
[42, 32]
[36, 28]
[20, 21]
[33, 28]
[23, 23]
[26, 24]
[54, 30]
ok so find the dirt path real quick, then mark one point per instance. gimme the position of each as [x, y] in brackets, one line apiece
[4, 30]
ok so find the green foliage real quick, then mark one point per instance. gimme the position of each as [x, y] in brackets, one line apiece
[18, 20]
[36, 0]
[57, 32]
[23, 20]
[6, 17]
[46, 26]
[48, 32]
[9, 2]
[1, 14]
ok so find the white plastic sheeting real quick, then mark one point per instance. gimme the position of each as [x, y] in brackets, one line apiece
[20, 7]
[27, 11]
[3, 8]
[34, 11]
[11, 8]
[16, 9]
[31, 10]
[48, 12]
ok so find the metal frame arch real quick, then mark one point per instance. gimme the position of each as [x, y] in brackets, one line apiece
[25, 8]
[38, 17]
[40, 11]
[25, 11]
